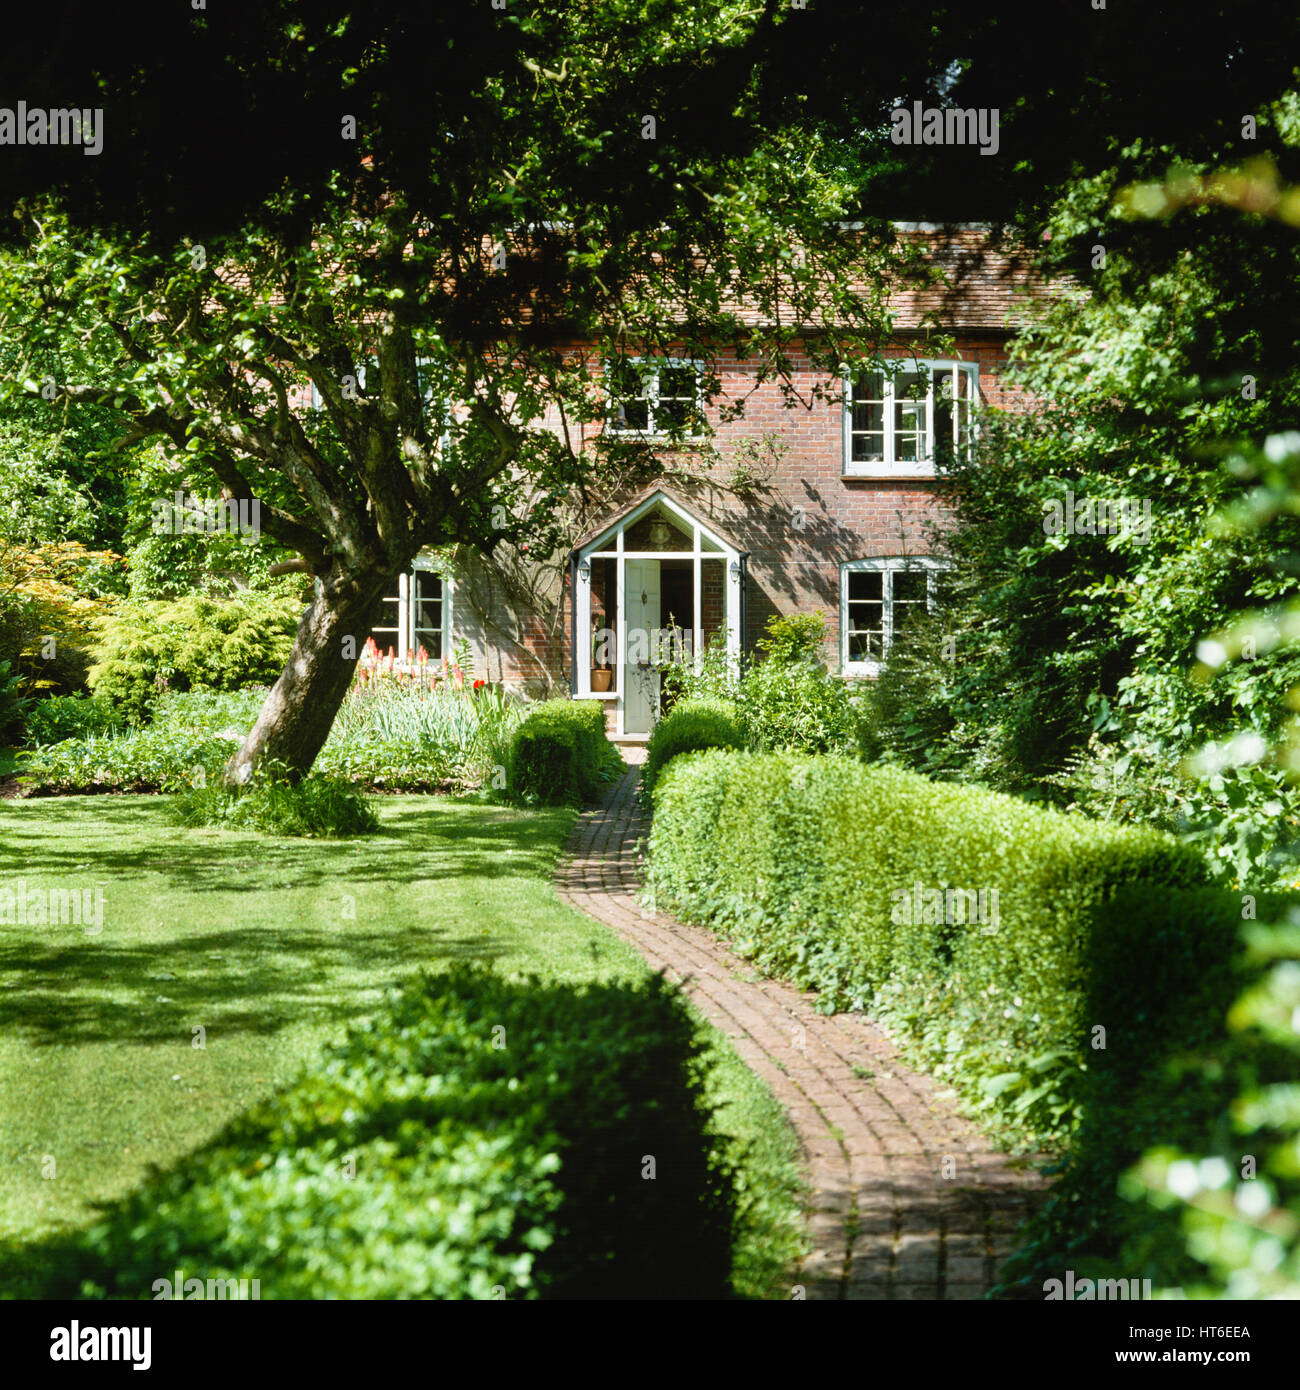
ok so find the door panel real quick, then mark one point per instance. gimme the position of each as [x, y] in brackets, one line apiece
[641, 683]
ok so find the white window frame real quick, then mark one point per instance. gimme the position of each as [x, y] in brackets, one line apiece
[887, 566]
[893, 369]
[405, 597]
[652, 366]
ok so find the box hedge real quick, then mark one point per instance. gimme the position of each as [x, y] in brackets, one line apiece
[560, 753]
[480, 1138]
[856, 881]
[691, 725]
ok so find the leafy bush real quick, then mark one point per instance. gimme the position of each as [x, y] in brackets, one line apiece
[147, 646]
[14, 704]
[408, 739]
[158, 757]
[560, 754]
[688, 727]
[853, 880]
[272, 803]
[787, 702]
[478, 1138]
[69, 717]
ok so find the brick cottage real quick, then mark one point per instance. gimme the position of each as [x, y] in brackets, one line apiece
[827, 508]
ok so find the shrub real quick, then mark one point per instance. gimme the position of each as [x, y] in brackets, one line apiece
[154, 758]
[796, 707]
[852, 880]
[560, 754]
[688, 727]
[272, 803]
[14, 705]
[785, 703]
[1164, 974]
[70, 717]
[147, 646]
[477, 1135]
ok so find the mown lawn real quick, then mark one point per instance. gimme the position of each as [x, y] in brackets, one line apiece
[273, 947]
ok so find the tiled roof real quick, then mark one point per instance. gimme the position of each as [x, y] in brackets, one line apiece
[988, 280]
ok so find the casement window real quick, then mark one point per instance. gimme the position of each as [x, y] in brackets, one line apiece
[417, 615]
[900, 421]
[654, 396]
[878, 599]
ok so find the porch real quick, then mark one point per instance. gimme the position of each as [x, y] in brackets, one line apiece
[657, 585]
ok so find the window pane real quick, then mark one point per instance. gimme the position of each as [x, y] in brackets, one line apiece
[428, 614]
[865, 646]
[676, 405]
[865, 584]
[383, 626]
[630, 409]
[869, 386]
[910, 586]
[864, 616]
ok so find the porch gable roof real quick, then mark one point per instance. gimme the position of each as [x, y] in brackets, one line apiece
[648, 495]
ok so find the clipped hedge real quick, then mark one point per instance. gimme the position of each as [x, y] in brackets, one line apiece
[817, 868]
[479, 1138]
[691, 725]
[560, 753]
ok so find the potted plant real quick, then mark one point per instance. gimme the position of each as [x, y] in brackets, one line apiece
[601, 677]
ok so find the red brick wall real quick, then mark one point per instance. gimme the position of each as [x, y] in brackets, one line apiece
[799, 526]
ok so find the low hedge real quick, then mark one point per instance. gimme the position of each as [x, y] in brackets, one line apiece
[560, 754]
[851, 880]
[691, 725]
[480, 1138]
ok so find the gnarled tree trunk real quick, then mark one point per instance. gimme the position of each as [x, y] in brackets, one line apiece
[299, 712]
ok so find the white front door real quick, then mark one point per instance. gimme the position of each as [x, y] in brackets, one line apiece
[641, 682]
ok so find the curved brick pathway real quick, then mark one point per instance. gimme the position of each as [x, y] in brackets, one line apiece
[907, 1199]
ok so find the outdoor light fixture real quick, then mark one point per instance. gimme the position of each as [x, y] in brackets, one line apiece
[735, 569]
[584, 570]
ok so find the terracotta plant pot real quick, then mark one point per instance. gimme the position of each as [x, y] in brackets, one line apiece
[600, 678]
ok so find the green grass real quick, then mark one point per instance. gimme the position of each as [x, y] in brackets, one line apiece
[273, 947]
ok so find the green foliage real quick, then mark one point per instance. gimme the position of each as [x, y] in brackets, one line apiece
[14, 705]
[477, 1138]
[785, 703]
[561, 755]
[814, 866]
[796, 707]
[408, 739]
[798, 637]
[1067, 662]
[145, 647]
[688, 727]
[316, 805]
[1224, 1200]
[61, 717]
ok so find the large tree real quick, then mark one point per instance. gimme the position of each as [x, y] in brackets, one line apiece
[565, 185]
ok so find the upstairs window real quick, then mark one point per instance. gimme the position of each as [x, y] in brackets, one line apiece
[903, 420]
[879, 598]
[654, 397]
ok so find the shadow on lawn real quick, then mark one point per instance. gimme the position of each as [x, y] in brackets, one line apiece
[254, 978]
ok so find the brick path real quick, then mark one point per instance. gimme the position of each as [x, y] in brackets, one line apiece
[906, 1198]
